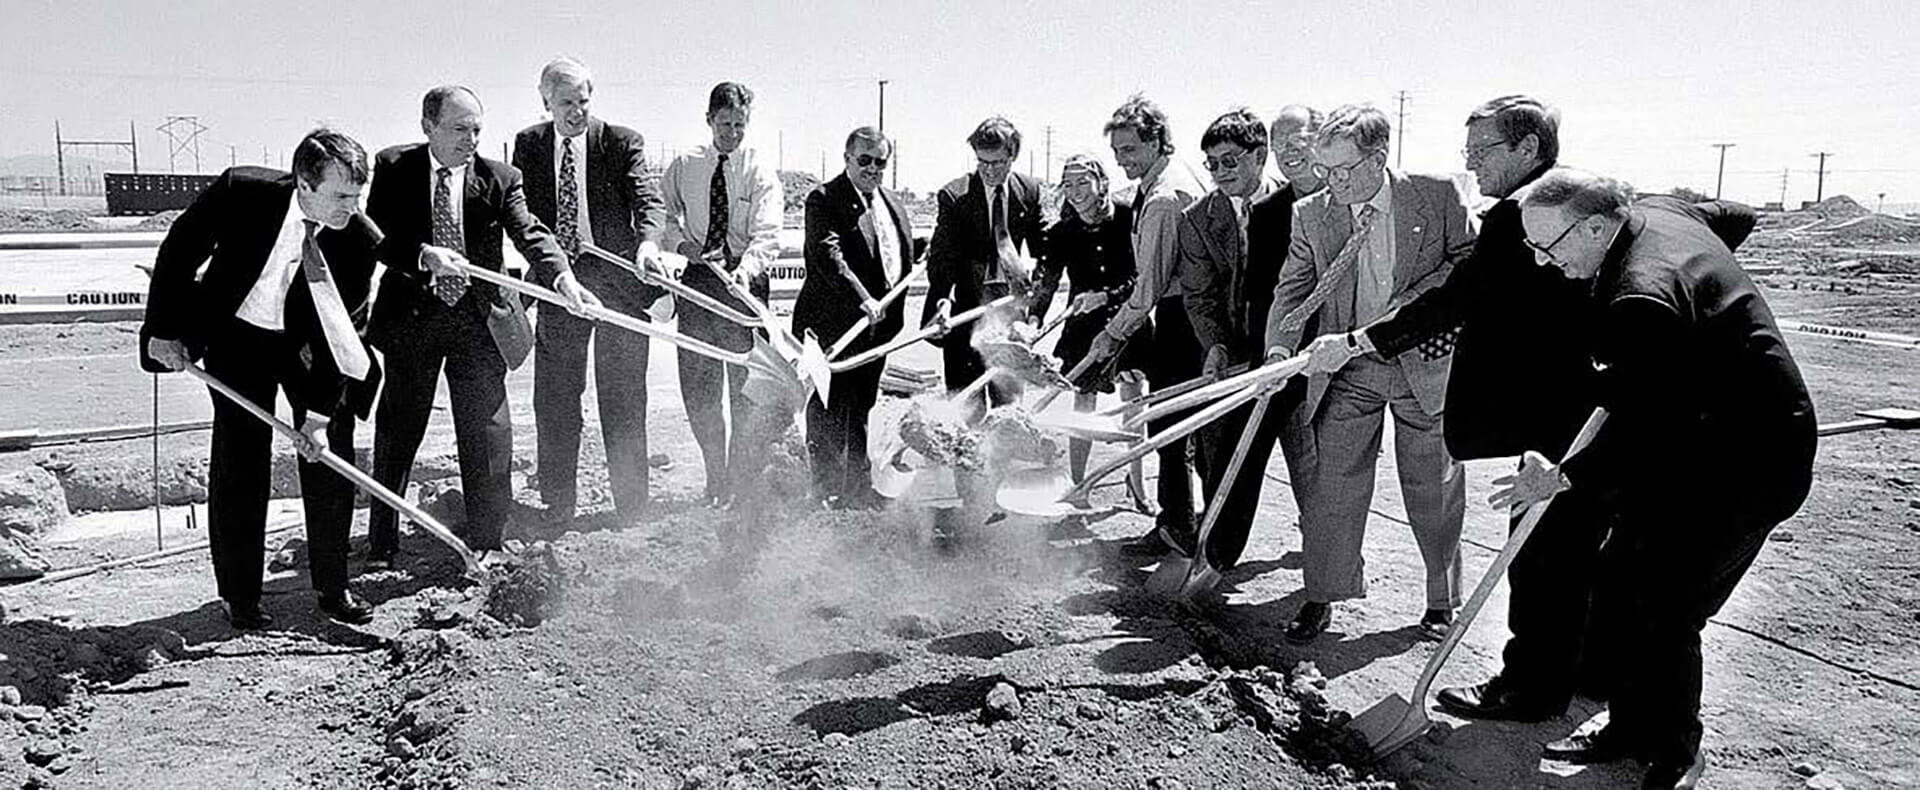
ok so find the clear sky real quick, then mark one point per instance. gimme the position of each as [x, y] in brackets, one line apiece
[1645, 87]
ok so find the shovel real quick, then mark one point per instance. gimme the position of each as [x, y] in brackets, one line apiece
[1394, 722]
[1174, 404]
[909, 338]
[1053, 502]
[1171, 579]
[808, 362]
[679, 289]
[352, 473]
[846, 338]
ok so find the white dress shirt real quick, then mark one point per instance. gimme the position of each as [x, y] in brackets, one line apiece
[1373, 272]
[756, 203]
[886, 236]
[584, 221]
[266, 304]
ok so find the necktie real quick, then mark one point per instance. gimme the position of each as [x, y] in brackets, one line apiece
[884, 237]
[567, 224]
[717, 217]
[446, 233]
[335, 324]
[1334, 273]
[1002, 241]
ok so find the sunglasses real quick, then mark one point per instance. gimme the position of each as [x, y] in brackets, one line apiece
[1548, 250]
[1231, 162]
[869, 160]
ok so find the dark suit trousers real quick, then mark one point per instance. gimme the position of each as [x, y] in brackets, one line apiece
[1177, 358]
[704, 379]
[255, 362]
[1551, 587]
[620, 383]
[1235, 522]
[837, 433]
[457, 339]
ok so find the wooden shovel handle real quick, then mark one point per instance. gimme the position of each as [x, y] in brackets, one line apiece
[846, 338]
[1172, 434]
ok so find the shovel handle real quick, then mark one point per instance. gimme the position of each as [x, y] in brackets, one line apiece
[1172, 434]
[352, 473]
[1055, 392]
[605, 315]
[1491, 579]
[1269, 372]
[918, 335]
[1182, 388]
[899, 289]
[1225, 486]
[679, 289]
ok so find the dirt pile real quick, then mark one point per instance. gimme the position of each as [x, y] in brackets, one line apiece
[47, 220]
[49, 673]
[1838, 221]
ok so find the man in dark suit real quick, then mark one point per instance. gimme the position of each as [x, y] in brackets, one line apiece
[597, 173]
[1708, 445]
[442, 203]
[986, 219]
[858, 244]
[1228, 291]
[289, 260]
[1372, 240]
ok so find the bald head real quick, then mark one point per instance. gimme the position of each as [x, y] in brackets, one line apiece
[1292, 139]
[1296, 119]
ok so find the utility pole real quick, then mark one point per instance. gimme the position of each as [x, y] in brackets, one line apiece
[1049, 169]
[1880, 208]
[60, 158]
[1400, 151]
[183, 132]
[823, 167]
[783, 152]
[883, 106]
[1783, 187]
[233, 155]
[1820, 185]
[1722, 177]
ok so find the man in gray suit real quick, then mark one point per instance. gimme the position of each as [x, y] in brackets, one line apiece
[1371, 241]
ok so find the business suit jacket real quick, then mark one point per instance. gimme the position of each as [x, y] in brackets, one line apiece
[963, 250]
[1431, 234]
[1228, 291]
[839, 232]
[400, 202]
[231, 227]
[623, 202]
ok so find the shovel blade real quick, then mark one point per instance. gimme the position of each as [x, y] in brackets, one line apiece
[1169, 577]
[1035, 492]
[812, 365]
[1391, 723]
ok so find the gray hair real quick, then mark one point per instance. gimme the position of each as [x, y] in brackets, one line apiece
[1579, 193]
[871, 135]
[562, 72]
[1361, 124]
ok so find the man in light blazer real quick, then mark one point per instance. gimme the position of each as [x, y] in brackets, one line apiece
[1371, 241]
[598, 172]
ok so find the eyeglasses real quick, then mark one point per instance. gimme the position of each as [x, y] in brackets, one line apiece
[1228, 162]
[1472, 152]
[1548, 250]
[1339, 173]
[869, 160]
[994, 164]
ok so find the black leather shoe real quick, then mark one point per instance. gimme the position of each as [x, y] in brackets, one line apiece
[247, 616]
[346, 607]
[1604, 745]
[1152, 544]
[1435, 624]
[1310, 622]
[379, 559]
[1496, 700]
[1674, 775]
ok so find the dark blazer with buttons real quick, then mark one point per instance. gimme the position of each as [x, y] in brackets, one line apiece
[963, 248]
[1227, 289]
[623, 199]
[231, 227]
[400, 202]
[836, 235]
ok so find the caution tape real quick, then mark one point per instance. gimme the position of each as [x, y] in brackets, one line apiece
[75, 299]
[1887, 339]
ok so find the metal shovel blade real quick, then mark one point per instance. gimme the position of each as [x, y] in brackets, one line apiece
[1390, 724]
[1036, 492]
[771, 382]
[1169, 576]
[812, 365]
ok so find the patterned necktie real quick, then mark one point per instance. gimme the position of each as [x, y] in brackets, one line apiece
[717, 217]
[348, 355]
[1002, 240]
[1339, 268]
[446, 232]
[567, 224]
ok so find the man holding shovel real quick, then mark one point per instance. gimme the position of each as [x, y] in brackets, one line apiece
[1709, 447]
[289, 261]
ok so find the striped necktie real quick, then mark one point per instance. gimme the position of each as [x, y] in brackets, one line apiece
[1337, 270]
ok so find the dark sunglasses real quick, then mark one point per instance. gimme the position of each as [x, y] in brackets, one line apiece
[869, 160]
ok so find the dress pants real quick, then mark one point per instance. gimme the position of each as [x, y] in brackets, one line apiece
[1550, 654]
[457, 339]
[1234, 524]
[620, 383]
[1177, 358]
[1347, 433]
[255, 362]
[837, 433]
[704, 379]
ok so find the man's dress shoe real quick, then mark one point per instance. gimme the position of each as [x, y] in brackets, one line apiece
[1311, 621]
[1674, 774]
[346, 607]
[247, 616]
[1497, 700]
[1604, 745]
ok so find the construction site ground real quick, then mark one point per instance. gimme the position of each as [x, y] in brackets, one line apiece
[849, 653]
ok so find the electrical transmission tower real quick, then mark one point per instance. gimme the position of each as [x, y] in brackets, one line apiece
[61, 144]
[183, 133]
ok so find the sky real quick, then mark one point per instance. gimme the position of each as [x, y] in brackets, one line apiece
[1645, 88]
